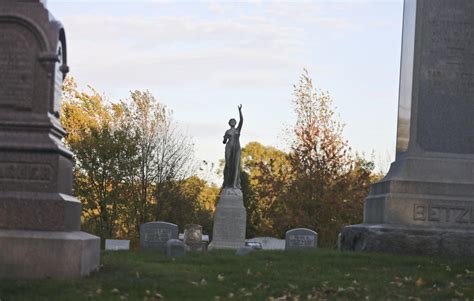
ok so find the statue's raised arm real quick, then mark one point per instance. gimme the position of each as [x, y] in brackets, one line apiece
[241, 118]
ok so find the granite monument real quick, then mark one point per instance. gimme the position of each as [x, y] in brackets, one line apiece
[425, 204]
[301, 238]
[154, 235]
[230, 216]
[40, 234]
[175, 248]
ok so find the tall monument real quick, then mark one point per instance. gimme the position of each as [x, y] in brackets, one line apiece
[230, 217]
[39, 218]
[425, 204]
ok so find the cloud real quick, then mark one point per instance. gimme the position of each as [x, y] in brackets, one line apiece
[240, 45]
[167, 50]
[302, 10]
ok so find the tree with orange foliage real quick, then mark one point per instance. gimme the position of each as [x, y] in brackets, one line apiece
[329, 182]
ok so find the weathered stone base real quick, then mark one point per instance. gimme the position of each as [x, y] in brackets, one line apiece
[47, 254]
[229, 221]
[408, 240]
[225, 245]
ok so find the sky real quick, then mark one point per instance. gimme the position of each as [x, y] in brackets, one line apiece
[204, 58]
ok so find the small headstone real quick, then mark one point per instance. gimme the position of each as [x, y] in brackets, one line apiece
[174, 248]
[193, 238]
[269, 243]
[117, 244]
[254, 244]
[301, 238]
[192, 234]
[154, 235]
[244, 251]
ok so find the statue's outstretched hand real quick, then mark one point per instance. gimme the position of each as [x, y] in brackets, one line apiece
[240, 107]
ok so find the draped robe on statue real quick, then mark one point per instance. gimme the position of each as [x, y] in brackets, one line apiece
[232, 159]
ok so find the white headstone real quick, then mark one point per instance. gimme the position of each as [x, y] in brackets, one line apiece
[117, 244]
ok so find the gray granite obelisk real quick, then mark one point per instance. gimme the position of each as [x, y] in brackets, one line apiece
[425, 204]
[40, 233]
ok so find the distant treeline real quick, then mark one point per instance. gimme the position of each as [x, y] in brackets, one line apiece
[133, 165]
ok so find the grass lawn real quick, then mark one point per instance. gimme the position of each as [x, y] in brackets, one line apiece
[263, 275]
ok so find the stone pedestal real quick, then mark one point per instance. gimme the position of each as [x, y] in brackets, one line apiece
[39, 218]
[47, 254]
[412, 240]
[229, 221]
[425, 204]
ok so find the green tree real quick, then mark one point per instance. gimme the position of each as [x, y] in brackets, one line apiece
[105, 154]
[265, 178]
[164, 154]
[187, 201]
[132, 164]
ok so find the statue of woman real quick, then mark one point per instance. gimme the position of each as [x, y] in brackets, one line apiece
[232, 153]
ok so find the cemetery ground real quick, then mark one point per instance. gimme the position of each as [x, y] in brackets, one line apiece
[262, 275]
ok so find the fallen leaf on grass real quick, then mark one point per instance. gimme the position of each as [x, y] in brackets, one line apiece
[448, 268]
[158, 297]
[98, 291]
[115, 291]
[420, 282]
[249, 272]
[397, 283]
[468, 272]
[123, 298]
[217, 298]
[220, 277]
[458, 293]
[147, 292]
[194, 283]
[203, 281]
[292, 286]
[230, 295]
[137, 274]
